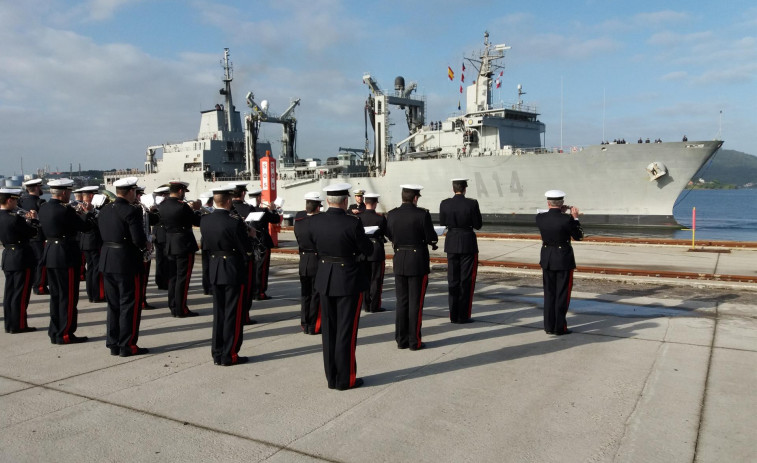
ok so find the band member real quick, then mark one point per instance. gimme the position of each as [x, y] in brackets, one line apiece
[410, 229]
[16, 229]
[241, 209]
[178, 218]
[339, 240]
[557, 226]
[90, 243]
[264, 243]
[359, 206]
[124, 251]
[150, 218]
[31, 201]
[461, 216]
[310, 302]
[376, 262]
[226, 238]
[159, 242]
[60, 222]
[206, 200]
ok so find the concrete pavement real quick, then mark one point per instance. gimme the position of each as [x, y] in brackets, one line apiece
[653, 372]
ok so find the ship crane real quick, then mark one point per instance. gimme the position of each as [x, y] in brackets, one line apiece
[261, 114]
[377, 107]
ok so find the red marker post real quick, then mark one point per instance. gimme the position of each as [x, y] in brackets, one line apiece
[268, 185]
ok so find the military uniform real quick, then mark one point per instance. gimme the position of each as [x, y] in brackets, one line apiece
[226, 240]
[181, 245]
[339, 240]
[263, 250]
[411, 231]
[461, 216]
[557, 262]
[90, 243]
[310, 301]
[241, 209]
[376, 261]
[159, 242]
[62, 257]
[18, 264]
[121, 262]
[32, 202]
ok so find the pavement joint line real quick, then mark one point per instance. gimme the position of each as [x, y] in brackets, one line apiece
[663, 345]
[705, 390]
[266, 443]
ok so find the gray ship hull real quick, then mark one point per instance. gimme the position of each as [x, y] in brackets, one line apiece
[610, 184]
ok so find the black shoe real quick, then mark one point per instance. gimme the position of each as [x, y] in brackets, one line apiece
[358, 383]
[564, 332]
[188, 314]
[549, 332]
[402, 346]
[28, 329]
[129, 352]
[263, 297]
[115, 351]
[314, 332]
[147, 306]
[466, 321]
[379, 310]
[422, 346]
[73, 339]
[240, 360]
[251, 321]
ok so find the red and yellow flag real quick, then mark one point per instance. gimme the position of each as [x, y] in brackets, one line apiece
[450, 73]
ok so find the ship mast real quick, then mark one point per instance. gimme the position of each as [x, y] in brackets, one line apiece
[226, 91]
[485, 65]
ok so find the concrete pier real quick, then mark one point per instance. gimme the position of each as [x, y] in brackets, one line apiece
[656, 370]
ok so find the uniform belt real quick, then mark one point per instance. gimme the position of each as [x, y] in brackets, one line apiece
[337, 260]
[307, 251]
[113, 244]
[59, 240]
[555, 245]
[460, 228]
[406, 248]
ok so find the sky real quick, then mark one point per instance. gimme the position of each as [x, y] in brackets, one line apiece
[94, 82]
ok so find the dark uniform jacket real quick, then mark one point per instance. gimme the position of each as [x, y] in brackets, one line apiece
[360, 208]
[556, 230]
[339, 240]
[124, 239]
[411, 231]
[370, 218]
[91, 240]
[32, 203]
[60, 223]
[261, 226]
[460, 215]
[225, 238]
[308, 257]
[178, 218]
[15, 234]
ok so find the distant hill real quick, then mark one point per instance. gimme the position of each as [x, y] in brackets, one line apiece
[730, 167]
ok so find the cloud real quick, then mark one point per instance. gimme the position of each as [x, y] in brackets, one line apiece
[676, 76]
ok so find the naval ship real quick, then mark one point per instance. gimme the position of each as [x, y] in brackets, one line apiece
[499, 147]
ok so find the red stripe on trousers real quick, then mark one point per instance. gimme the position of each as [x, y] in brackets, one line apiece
[25, 297]
[472, 284]
[42, 280]
[190, 265]
[353, 344]
[420, 310]
[137, 307]
[70, 308]
[264, 276]
[318, 319]
[101, 285]
[237, 327]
